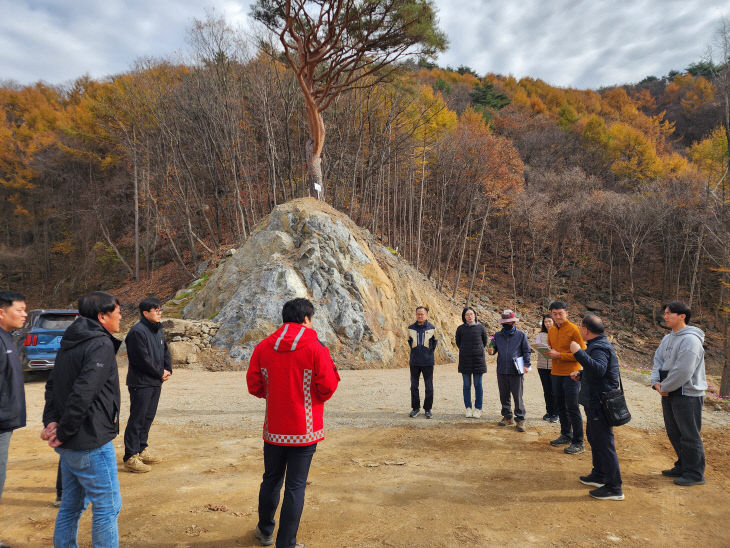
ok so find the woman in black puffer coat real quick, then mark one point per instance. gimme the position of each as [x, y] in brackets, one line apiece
[471, 338]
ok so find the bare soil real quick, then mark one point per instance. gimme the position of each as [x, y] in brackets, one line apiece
[382, 479]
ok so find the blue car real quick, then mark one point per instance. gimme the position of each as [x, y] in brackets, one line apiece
[39, 339]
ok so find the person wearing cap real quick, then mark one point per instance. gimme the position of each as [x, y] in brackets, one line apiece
[565, 391]
[513, 361]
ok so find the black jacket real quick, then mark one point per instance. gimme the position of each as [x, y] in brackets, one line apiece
[600, 370]
[509, 345]
[12, 388]
[82, 393]
[148, 354]
[422, 340]
[471, 340]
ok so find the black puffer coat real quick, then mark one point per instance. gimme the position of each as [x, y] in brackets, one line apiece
[471, 340]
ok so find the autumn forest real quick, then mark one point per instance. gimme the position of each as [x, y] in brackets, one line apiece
[618, 195]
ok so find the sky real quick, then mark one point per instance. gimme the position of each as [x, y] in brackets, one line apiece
[568, 43]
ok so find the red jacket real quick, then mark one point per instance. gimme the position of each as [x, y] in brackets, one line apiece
[296, 375]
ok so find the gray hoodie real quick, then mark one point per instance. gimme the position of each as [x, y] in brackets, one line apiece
[681, 355]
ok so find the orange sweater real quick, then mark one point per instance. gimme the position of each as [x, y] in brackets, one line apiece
[559, 338]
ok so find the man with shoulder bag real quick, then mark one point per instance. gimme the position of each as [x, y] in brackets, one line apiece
[600, 375]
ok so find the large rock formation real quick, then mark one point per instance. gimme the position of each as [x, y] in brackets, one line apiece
[364, 295]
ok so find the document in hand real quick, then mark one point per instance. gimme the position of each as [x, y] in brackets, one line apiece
[543, 349]
[519, 364]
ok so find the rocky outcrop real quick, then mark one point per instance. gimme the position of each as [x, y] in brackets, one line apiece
[364, 295]
[186, 338]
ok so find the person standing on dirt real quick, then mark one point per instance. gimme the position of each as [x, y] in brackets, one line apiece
[295, 373]
[679, 376]
[422, 341]
[513, 361]
[471, 338]
[12, 387]
[81, 419]
[600, 374]
[565, 391]
[544, 365]
[149, 366]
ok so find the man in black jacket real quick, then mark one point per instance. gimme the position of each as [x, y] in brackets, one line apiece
[12, 389]
[81, 419]
[600, 374]
[149, 366]
[422, 342]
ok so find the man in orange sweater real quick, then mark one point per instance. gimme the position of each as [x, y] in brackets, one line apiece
[565, 391]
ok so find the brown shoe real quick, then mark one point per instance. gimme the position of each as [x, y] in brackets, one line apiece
[520, 426]
[134, 464]
[149, 458]
[505, 422]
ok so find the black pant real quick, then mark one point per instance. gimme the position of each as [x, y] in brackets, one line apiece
[427, 373]
[683, 421]
[278, 460]
[511, 385]
[143, 402]
[565, 392]
[603, 448]
[547, 390]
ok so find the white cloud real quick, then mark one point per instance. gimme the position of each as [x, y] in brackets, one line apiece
[577, 43]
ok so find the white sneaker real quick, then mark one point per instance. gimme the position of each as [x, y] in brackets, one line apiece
[468, 413]
[477, 414]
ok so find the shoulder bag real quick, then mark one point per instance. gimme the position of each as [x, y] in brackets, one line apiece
[614, 405]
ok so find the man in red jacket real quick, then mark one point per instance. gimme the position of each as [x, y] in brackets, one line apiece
[296, 375]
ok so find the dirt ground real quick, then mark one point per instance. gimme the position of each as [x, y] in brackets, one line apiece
[382, 479]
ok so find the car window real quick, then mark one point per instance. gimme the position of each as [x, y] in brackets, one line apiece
[56, 321]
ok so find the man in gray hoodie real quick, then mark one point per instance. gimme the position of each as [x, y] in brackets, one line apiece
[679, 376]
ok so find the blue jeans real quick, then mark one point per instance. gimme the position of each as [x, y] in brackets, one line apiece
[294, 462]
[478, 392]
[89, 476]
[4, 447]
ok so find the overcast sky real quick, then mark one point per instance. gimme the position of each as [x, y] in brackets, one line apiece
[572, 43]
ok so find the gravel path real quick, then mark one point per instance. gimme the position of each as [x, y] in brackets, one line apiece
[365, 398]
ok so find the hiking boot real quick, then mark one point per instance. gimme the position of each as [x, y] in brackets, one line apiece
[574, 449]
[687, 482]
[562, 440]
[477, 414]
[672, 472]
[469, 414]
[505, 422]
[554, 418]
[607, 493]
[593, 480]
[263, 539]
[428, 414]
[414, 413]
[520, 425]
[546, 416]
[149, 458]
[135, 464]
